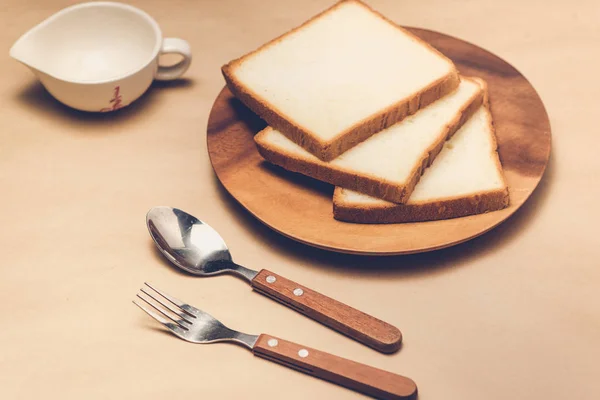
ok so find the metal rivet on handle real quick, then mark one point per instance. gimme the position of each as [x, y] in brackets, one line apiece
[298, 292]
[272, 342]
[303, 353]
[271, 279]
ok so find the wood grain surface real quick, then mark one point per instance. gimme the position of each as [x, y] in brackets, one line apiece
[360, 326]
[360, 377]
[301, 207]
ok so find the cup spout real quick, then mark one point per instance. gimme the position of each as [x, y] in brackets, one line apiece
[24, 52]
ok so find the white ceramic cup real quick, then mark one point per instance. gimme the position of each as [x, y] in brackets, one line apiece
[99, 56]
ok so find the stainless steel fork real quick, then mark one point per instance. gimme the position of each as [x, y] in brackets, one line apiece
[196, 326]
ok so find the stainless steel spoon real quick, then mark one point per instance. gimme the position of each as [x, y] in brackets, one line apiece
[195, 247]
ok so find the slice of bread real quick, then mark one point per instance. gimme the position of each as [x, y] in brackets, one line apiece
[465, 179]
[339, 78]
[389, 164]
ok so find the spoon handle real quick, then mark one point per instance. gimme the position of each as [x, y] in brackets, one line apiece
[360, 326]
[360, 377]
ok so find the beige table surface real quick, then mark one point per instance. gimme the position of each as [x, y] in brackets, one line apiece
[514, 314]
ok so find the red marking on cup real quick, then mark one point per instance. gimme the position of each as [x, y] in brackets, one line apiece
[115, 101]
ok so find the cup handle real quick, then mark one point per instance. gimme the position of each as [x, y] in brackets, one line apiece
[174, 46]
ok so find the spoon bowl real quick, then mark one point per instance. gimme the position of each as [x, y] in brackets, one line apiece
[191, 244]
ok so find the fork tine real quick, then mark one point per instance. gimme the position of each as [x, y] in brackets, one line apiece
[169, 325]
[175, 301]
[175, 310]
[178, 323]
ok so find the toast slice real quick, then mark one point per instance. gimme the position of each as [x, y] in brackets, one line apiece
[387, 165]
[339, 78]
[465, 179]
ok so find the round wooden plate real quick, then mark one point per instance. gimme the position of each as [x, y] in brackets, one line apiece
[301, 208]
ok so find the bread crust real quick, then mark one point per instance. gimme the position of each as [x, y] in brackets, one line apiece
[345, 140]
[441, 209]
[451, 207]
[372, 185]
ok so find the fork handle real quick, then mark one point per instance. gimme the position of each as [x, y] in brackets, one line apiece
[360, 377]
[360, 326]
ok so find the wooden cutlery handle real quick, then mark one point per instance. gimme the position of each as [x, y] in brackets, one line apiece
[356, 324]
[360, 377]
